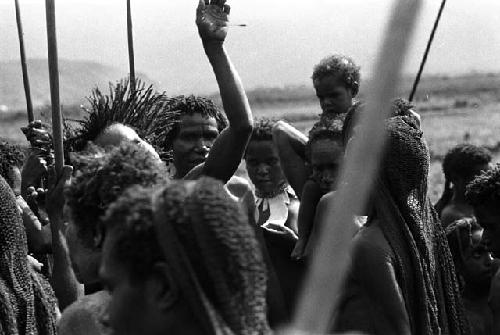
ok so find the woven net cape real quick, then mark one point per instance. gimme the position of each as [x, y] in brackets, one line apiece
[214, 256]
[424, 266]
[27, 303]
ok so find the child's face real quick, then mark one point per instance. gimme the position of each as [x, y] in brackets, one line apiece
[477, 270]
[334, 97]
[489, 218]
[263, 166]
[326, 157]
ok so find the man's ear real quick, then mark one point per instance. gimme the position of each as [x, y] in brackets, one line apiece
[164, 288]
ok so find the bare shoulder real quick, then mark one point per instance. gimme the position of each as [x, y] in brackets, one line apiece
[85, 316]
[370, 244]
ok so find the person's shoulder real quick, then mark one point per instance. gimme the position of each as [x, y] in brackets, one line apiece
[85, 315]
[371, 242]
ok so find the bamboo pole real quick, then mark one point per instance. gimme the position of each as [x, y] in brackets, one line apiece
[130, 38]
[331, 256]
[54, 86]
[426, 53]
[24, 66]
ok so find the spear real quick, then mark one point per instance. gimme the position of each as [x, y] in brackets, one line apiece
[426, 53]
[331, 256]
[54, 86]
[130, 38]
[24, 66]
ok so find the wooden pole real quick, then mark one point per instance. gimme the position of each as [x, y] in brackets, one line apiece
[331, 256]
[130, 38]
[24, 66]
[426, 53]
[57, 134]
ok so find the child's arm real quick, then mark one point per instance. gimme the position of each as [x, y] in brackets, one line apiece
[311, 196]
[291, 144]
[229, 148]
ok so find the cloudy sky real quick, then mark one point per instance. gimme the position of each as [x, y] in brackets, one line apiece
[280, 45]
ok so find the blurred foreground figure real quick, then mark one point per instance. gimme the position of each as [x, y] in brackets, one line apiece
[402, 279]
[484, 196]
[27, 302]
[474, 266]
[184, 261]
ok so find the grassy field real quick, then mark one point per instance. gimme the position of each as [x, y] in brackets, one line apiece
[448, 118]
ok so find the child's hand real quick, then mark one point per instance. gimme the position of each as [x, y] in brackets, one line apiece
[212, 17]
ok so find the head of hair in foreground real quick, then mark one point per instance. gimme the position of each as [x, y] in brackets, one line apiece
[461, 165]
[100, 178]
[336, 79]
[184, 260]
[483, 193]
[262, 159]
[27, 302]
[11, 163]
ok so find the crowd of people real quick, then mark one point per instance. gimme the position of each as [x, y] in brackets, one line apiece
[172, 215]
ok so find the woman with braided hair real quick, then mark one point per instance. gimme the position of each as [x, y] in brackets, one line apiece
[185, 261]
[27, 303]
[402, 279]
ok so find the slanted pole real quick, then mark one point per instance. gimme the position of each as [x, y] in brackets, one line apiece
[426, 53]
[57, 134]
[130, 38]
[24, 66]
[330, 260]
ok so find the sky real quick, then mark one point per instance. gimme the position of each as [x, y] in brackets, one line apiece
[282, 42]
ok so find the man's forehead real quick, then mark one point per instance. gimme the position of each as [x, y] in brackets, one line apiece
[197, 120]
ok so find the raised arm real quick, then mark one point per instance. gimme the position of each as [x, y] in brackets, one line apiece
[63, 281]
[291, 144]
[229, 148]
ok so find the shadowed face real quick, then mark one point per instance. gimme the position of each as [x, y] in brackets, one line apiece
[192, 144]
[326, 157]
[85, 260]
[477, 265]
[263, 166]
[145, 304]
[334, 97]
[489, 218]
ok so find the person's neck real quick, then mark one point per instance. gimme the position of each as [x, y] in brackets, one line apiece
[475, 293]
[459, 196]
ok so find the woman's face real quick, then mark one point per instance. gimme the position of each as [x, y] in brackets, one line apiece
[85, 259]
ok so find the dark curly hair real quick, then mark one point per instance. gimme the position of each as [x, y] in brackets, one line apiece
[10, 156]
[198, 223]
[103, 177]
[339, 66]
[460, 161]
[485, 189]
[263, 129]
[463, 159]
[165, 127]
[130, 219]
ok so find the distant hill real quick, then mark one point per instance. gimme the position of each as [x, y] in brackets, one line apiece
[77, 78]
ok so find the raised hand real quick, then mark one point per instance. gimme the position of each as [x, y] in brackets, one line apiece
[212, 17]
[37, 133]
